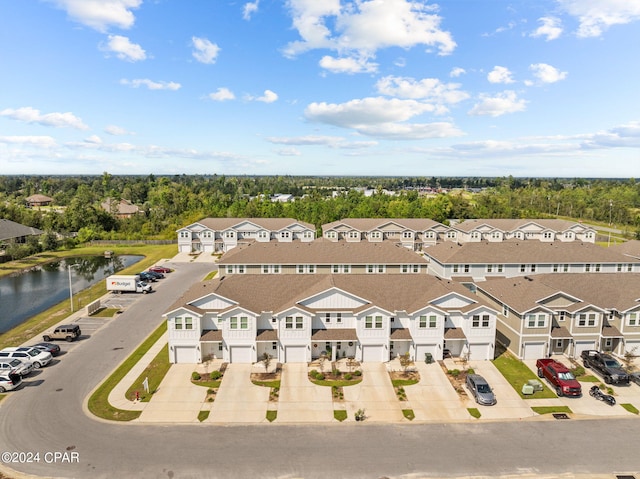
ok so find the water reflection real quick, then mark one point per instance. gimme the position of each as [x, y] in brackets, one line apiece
[34, 291]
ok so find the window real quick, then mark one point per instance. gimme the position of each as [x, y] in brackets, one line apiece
[407, 235]
[585, 319]
[338, 317]
[274, 319]
[405, 268]
[331, 234]
[265, 269]
[632, 319]
[451, 234]
[433, 321]
[597, 267]
[556, 268]
[327, 317]
[299, 322]
[587, 268]
[536, 320]
[354, 235]
[523, 268]
[220, 346]
[376, 235]
[274, 345]
[505, 310]
[188, 323]
[184, 234]
[495, 235]
[307, 235]
[456, 268]
[489, 268]
[500, 268]
[629, 268]
[233, 322]
[300, 269]
[548, 235]
[244, 322]
[285, 234]
[368, 322]
[262, 234]
[229, 269]
[565, 268]
[177, 323]
[375, 268]
[475, 321]
[562, 315]
[288, 322]
[229, 234]
[312, 268]
[378, 323]
[466, 268]
[335, 269]
[241, 269]
[276, 269]
[423, 322]
[533, 268]
[485, 321]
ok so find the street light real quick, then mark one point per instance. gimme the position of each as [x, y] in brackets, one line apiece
[69, 266]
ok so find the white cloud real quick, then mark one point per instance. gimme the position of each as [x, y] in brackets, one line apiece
[505, 102]
[37, 141]
[500, 75]
[411, 131]
[124, 49]
[361, 28]
[93, 139]
[100, 14]
[456, 72]
[249, 9]
[288, 152]
[116, 130]
[428, 89]
[546, 73]
[347, 65]
[31, 115]
[596, 16]
[205, 51]
[267, 97]
[150, 84]
[551, 28]
[222, 94]
[312, 140]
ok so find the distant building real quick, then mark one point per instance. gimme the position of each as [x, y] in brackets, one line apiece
[120, 208]
[12, 232]
[39, 200]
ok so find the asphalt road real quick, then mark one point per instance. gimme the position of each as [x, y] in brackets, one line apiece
[47, 417]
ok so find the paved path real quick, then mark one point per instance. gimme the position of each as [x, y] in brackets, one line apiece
[238, 399]
[301, 400]
[375, 394]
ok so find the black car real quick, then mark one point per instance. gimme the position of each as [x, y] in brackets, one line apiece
[146, 276]
[155, 274]
[54, 349]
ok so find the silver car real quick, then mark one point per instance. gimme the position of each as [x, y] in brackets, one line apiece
[8, 365]
[481, 390]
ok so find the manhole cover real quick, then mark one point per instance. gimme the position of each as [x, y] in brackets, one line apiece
[560, 415]
[627, 476]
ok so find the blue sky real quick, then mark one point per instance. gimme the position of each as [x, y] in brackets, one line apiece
[320, 87]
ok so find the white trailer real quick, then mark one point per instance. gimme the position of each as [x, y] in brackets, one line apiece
[120, 283]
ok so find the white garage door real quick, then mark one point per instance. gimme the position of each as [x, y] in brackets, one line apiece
[534, 350]
[295, 354]
[185, 354]
[480, 352]
[373, 353]
[583, 346]
[422, 349]
[633, 347]
[240, 354]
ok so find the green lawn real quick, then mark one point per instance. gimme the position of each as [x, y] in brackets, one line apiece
[517, 374]
[551, 409]
[339, 414]
[630, 407]
[154, 372]
[408, 413]
[272, 415]
[475, 412]
[203, 415]
[105, 313]
[404, 382]
[337, 383]
[267, 384]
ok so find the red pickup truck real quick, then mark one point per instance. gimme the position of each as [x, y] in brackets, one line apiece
[559, 377]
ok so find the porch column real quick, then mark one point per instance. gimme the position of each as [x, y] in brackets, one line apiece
[334, 345]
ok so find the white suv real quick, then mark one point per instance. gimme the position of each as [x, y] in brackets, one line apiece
[8, 365]
[9, 381]
[36, 356]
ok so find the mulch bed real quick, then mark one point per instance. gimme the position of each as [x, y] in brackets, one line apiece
[456, 381]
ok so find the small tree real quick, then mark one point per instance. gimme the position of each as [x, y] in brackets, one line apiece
[405, 361]
[466, 357]
[628, 359]
[322, 359]
[266, 360]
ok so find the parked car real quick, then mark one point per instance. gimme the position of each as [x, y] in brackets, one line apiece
[23, 368]
[480, 390]
[605, 365]
[9, 381]
[155, 274]
[635, 377]
[160, 269]
[54, 349]
[36, 356]
[559, 376]
[68, 332]
[145, 276]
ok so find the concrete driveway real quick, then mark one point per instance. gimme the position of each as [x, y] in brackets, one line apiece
[177, 399]
[375, 394]
[238, 399]
[510, 404]
[300, 400]
[434, 398]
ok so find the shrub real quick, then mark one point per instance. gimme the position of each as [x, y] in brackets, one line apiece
[195, 376]
[336, 373]
[320, 376]
[454, 372]
[357, 373]
[471, 371]
[211, 391]
[348, 376]
[313, 374]
[215, 375]
[578, 371]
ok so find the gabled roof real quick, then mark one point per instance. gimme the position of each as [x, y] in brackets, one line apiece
[604, 291]
[270, 224]
[369, 224]
[10, 230]
[629, 248]
[321, 253]
[509, 225]
[516, 251]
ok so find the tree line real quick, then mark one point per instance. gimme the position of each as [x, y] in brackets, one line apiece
[171, 202]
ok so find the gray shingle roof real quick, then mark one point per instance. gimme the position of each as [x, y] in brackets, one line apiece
[271, 224]
[369, 224]
[10, 230]
[507, 224]
[334, 334]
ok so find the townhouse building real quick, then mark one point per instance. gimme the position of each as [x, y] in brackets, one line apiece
[472, 262]
[566, 313]
[501, 229]
[219, 235]
[298, 317]
[322, 257]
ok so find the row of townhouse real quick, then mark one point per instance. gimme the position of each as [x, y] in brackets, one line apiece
[215, 235]
[219, 235]
[565, 314]
[296, 318]
[473, 262]
[420, 233]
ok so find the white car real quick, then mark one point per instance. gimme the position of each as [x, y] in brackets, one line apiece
[36, 356]
[9, 381]
[15, 365]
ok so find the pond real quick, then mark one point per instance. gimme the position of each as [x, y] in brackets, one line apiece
[37, 289]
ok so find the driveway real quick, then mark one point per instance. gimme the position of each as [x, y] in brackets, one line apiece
[238, 399]
[375, 394]
[510, 404]
[434, 398]
[300, 400]
[177, 399]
